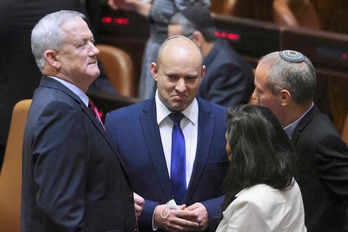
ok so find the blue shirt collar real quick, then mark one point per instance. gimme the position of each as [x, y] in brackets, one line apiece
[84, 98]
[289, 129]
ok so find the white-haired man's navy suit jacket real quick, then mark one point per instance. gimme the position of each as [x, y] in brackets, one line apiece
[135, 131]
[73, 178]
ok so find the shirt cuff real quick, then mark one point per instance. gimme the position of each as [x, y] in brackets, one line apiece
[154, 228]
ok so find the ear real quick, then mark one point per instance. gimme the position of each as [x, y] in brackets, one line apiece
[52, 58]
[154, 71]
[285, 97]
[203, 72]
[197, 38]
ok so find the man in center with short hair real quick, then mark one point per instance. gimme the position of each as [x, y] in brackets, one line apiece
[151, 144]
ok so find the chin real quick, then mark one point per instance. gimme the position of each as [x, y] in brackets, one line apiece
[177, 107]
[95, 74]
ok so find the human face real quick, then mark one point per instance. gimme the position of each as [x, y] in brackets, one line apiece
[174, 29]
[178, 75]
[263, 94]
[78, 55]
[228, 148]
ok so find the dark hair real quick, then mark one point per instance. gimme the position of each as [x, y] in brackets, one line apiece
[261, 151]
[188, 27]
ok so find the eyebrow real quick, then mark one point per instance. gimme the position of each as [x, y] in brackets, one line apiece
[192, 75]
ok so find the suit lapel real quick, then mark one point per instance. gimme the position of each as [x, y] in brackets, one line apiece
[51, 83]
[303, 123]
[205, 134]
[148, 120]
[103, 132]
[97, 124]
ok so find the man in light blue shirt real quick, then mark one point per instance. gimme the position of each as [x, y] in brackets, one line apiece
[73, 178]
[285, 83]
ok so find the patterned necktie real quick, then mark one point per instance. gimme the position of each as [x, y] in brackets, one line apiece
[178, 163]
[95, 111]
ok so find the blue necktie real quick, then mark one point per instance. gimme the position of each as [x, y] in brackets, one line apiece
[178, 164]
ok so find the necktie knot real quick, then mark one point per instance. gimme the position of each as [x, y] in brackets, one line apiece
[95, 111]
[176, 117]
[92, 107]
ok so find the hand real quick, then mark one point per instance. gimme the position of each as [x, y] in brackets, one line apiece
[127, 5]
[142, 8]
[176, 220]
[202, 219]
[138, 204]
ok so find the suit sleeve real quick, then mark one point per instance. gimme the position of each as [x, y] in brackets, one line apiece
[332, 165]
[213, 207]
[228, 87]
[146, 215]
[60, 152]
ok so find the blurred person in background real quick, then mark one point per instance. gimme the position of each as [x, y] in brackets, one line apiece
[229, 80]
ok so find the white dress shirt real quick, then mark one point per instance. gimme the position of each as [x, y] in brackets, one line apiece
[263, 208]
[189, 127]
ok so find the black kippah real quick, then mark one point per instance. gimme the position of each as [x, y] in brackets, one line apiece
[199, 16]
[292, 56]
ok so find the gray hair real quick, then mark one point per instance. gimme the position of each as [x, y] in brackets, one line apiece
[47, 33]
[298, 78]
[188, 27]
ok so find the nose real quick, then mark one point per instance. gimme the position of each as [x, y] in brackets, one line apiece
[181, 85]
[254, 98]
[93, 51]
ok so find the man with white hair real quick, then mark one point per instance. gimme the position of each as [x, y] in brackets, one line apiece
[73, 179]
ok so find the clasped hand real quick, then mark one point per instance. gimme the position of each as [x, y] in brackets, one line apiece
[192, 218]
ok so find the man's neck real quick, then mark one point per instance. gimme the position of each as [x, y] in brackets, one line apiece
[295, 112]
[206, 48]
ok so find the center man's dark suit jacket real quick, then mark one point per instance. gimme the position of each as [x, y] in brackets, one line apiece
[135, 131]
[73, 179]
[323, 173]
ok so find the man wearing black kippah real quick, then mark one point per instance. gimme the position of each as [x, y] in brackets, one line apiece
[229, 79]
[285, 82]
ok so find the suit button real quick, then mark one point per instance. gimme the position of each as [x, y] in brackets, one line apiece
[131, 196]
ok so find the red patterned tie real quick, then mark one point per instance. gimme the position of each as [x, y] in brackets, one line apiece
[95, 111]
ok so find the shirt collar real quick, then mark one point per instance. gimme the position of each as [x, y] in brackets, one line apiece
[289, 129]
[191, 112]
[84, 98]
